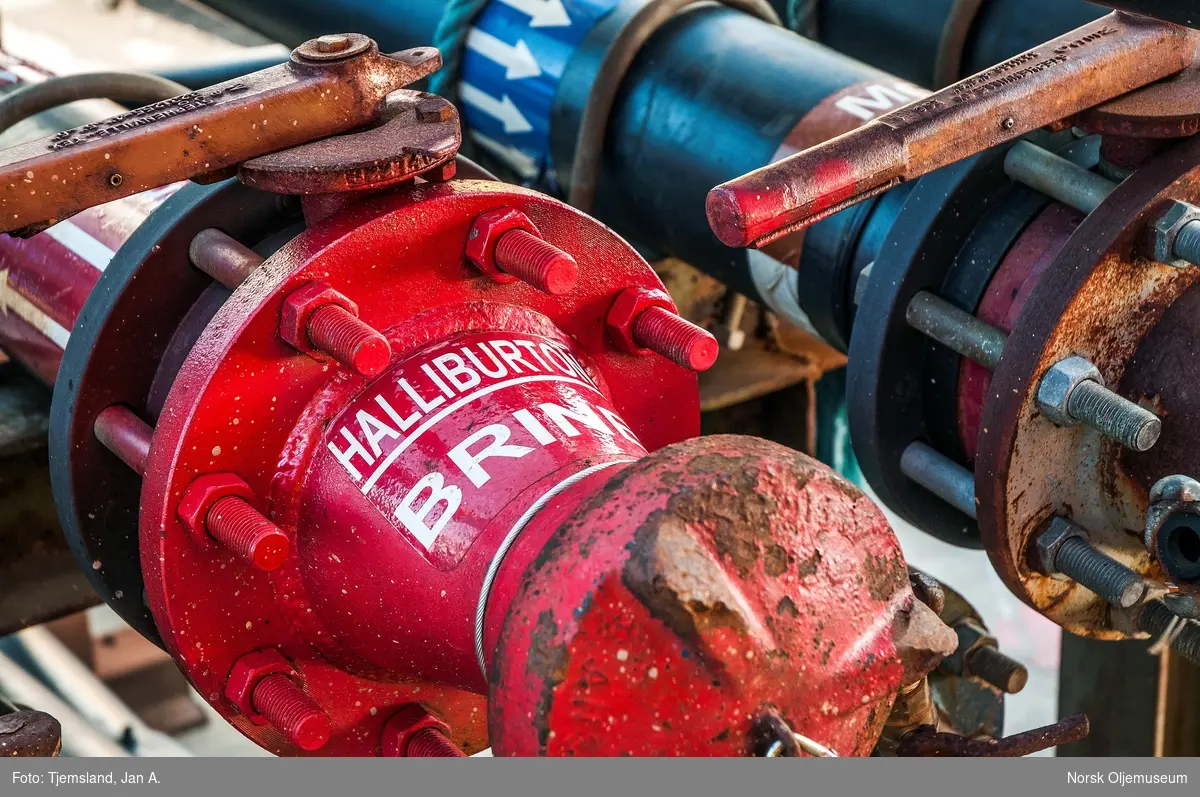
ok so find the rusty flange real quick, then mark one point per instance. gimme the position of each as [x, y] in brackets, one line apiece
[417, 133]
[1167, 109]
[1099, 298]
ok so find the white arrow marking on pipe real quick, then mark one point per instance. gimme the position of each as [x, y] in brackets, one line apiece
[82, 243]
[516, 59]
[503, 109]
[519, 161]
[542, 13]
[30, 313]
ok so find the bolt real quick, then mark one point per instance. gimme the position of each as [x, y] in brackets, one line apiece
[538, 262]
[1103, 575]
[675, 338]
[125, 434]
[432, 743]
[956, 329]
[247, 532]
[990, 665]
[222, 258]
[1115, 416]
[333, 43]
[286, 707]
[349, 340]
[1071, 391]
[940, 475]
[1187, 242]
[1155, 618]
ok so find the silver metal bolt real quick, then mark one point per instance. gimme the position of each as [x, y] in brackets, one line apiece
[1177, 235]
[941, 476]
[1064, 548]
[1072, 391]
[956, 329]
[1057, 177]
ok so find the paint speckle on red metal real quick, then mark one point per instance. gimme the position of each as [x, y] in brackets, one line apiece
[247, 402]
[702, 585]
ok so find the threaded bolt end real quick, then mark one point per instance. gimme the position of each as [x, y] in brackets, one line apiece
[1115, 416]
[1154, 619]
[675, 338]
[1187, 242]
[349, 340]
[247, 532]
[989, 664]
[294, 713]
[1103, 575]
[432, 743]
[540, 263]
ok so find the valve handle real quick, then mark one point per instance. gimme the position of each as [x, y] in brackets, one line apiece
[1095, 63]
[331, 85]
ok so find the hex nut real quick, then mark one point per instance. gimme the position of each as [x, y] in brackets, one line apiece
[297, 309]
[408, 720]
[247, 672]
[485, 234]
[630, 304]
[200, 496]
[1174, 218]
[971, 635]
[1059, 381]
[1049, 541]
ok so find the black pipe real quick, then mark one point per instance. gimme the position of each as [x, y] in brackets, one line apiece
[713, 95]
[903, 37]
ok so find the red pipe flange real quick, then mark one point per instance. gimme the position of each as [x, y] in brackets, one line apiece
[396, 491]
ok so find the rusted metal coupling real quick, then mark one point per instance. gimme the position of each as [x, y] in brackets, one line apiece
[330, 85]
[1172, 533]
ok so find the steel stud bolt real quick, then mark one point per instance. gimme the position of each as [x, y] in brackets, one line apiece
[990, 665]
[1155, 618]
[286, 707]
[1063, 548]
[349, 340]
[675, 338]
[1071, 391]
[247, 532]
[537, 262]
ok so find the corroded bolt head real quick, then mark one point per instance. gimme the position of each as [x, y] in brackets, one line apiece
[1049, 541]
[334, 43]
[1174, 217]
[1059, 382]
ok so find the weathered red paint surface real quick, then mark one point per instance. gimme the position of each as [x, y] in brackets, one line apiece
[704, 584]
[369, 616]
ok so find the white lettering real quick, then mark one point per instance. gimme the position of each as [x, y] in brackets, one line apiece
[422, 405]
[469, 463]
[470, 355]
[562, 417]
[511, 355]
[439, 493]
[374, 430]
[879, 100]
[353, 449]
[437, 380]
[618, 423]
[457, 372]
[404, 424]
[534, 427]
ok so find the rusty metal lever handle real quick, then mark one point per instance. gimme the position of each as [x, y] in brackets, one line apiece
[331, 85]
[1093, 64]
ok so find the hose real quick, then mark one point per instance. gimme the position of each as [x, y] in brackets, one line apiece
[131, 89]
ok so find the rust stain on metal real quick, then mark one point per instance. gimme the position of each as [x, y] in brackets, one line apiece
[926, 741]
[29, 734]
[201, 132]
[1099, 299]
